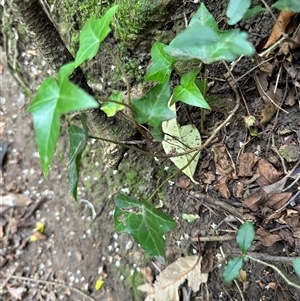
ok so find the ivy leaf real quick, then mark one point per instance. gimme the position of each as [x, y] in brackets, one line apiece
[144, 222]
[232, 269]
[78, 139]
[181, 139]
[296, 265]
[51, 101]
[201, 42]
[92, 34]
[204, 17]
[161, 69]
[288, 5]
[236, 10]
[188, 92]
[65, 71]
[245, 236]
[153, 107]
[252, 12]
[111, 108]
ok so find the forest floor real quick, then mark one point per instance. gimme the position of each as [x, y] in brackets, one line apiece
[79, 244]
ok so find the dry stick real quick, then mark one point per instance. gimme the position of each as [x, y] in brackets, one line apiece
[74, 289]
[226, 237]
[218, 203]
[277, 270]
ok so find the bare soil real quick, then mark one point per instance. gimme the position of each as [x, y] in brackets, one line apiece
[80, 246]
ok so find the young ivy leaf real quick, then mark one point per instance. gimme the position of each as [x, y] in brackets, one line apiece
[252, 12]
[78, 139]
[92, 34]
[204, 41]
[236, 10]
[51, 101]
[153, 107]
[111, 108]
[232, 269]
[144, 222]
[161, 69]
[245, 236]
[188, 92]
[288, 5]
[296, 265]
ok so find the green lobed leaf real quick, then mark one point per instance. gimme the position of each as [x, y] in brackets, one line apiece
[245, 236]
[51, 101]
[236, 10]
[46, 121]
[144, 222]
[188, 92]
[252, 12]
[232, 269]
[111, 108]
[65, 71]
[157, 133]
[161, 68]
[92, 34]
[179, 139]
[78, 139]
[296, 265]
[201, 42]
[288, 5]
[204, 17]
[153, 107]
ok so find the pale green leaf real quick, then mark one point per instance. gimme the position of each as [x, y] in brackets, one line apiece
[288, 5]
[245, 236]
[161, 68]
[65, 71]
[190, 217]
[111, 108]
[144, 222]
[236, 10]
[232, 269]
[252, 12]
[153, 107]
[296, 265]
[92, 34]
[181, 139]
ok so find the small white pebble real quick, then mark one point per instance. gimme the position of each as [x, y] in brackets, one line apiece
[117, 263]
[122, 277]
[69, 254]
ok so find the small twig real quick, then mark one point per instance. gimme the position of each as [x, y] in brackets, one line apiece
[288, 281]
[218, 203]
[226, 237]
[292, 199]
[8, 277]
[74, 289]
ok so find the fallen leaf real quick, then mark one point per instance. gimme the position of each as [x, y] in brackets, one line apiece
[147, 273]
[222, 161]
[287, 236]
[16, 293]
[278, 200]
[266, 238]
[267, 173]
[280, 26]
[168, 281]
[221, 186]
[238, 190]
[1, 68]
[263, 194]
[247, 162]
[15, 200]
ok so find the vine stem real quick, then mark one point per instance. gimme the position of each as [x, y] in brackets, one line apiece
[288, 281]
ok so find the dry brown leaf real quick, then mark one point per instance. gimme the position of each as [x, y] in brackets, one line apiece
[278, 200]
[266, 238]
[16, 292]
[221, 186]
[168, 281]
[280, 26]
[1, 68]
[247, 162]
[264, 193]
[14, 200]
[267, 173]
[287, 236]
[147, 273]
[238, 190]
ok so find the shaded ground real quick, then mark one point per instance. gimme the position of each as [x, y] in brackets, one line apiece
[79, 247]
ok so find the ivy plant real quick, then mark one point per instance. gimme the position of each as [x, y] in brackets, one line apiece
[244, 238]
[201, 41]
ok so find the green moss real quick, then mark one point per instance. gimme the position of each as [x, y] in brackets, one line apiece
[133, 17]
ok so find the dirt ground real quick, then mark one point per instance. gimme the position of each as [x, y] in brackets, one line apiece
[79, 244]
